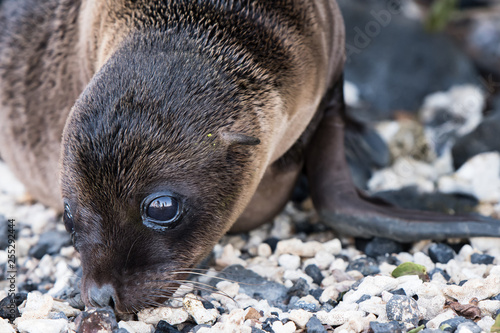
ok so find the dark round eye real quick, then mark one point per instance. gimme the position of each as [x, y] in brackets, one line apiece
[68, 219]
[162, 210]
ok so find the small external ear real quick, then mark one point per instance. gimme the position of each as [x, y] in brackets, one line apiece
[232, 138]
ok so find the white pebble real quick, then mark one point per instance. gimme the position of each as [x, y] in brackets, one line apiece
[136, 326]
[38, 306]
[324, 259]
[42, 326]
[264, 250]
[329, 293]
[485, 323]
[173, 316]
[289, 261]
[300, 317]
[196, 309]
[336, 318]
[230, 256]
[489, 307]
[5, 326]
[230, 289]
[479, 288]
[333, 246]
[278, 327]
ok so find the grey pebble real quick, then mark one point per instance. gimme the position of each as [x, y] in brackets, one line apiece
[50, 242]
[403, 309]
[478, 258]
[441, 253]
[314, 326]
[315, 273]
[365, 265]
[390, 327]
[300, 288]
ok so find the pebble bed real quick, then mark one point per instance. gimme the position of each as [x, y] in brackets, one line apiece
[294, 274]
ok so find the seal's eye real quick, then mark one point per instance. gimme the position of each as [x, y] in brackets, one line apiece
[68, 219]
[163, 210]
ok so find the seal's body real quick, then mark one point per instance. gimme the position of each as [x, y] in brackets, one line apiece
[166, 123]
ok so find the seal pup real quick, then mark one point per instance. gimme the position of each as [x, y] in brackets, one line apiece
[167, 123]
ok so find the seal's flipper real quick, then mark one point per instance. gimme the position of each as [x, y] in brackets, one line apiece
[349, 212]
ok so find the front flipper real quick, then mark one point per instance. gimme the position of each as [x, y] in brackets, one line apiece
[349, 212]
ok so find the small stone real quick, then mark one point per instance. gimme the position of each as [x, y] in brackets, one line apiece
[435, 322]
[365, 265]
[196, 309]
[38, 306]
[51, 243]
[333, 246]
[451, 325]
[5, 327]
[96, 320]
[164, 327]
[278, 327]
[330, 293]
[136, 326]
[228, 288]
[230, 256]
[390, 327]
[252, 314]
[44, 326]
[477, 258]
[65, 308]
[441, 253]
[172, 316]
[323, 259]
[289, 261]
[315, 273]
[264, 250]
[468, 327]
[9, 306]
[381, 246]
[403, 309]
[315, 326]
[300, 317]
[300, 288]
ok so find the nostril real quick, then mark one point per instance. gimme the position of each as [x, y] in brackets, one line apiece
[102, 296]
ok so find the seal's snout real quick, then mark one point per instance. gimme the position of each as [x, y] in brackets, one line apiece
[102, 296]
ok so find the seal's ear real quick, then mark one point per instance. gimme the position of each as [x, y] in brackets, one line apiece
[232, 138]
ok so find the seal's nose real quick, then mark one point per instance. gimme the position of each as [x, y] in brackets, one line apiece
[102, 296]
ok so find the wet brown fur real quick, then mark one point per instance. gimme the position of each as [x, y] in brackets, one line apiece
[156, 85]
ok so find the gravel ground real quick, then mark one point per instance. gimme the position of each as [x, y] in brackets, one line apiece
[292, 275]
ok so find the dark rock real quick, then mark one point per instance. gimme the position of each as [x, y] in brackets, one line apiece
[316, 293]
[380, 246]
[207, 305]
[482, 139]
[469, 327]
[403, 309]
[96, 320]
[300, 288]
[254, 285]
[365, 265]
[461, 283]
[188, 327]
[314, 272]
[496, 298]
[198, 327]
[256, 330]
[441, 253]
[399, 291]
[272, 242]
[363, 298]
[440, 271]
[327, 307]
[477, 258]
[451, 325]
[315, 326]
[51, 243]
[268, 324]
[420, 63]
[411, 198]
[390, 327]
[164, 327]
[9, 306]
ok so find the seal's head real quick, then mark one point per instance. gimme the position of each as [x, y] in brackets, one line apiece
[155, 169]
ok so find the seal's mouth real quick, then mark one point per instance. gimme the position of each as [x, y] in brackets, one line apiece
[138, 292]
